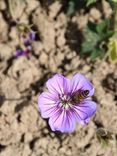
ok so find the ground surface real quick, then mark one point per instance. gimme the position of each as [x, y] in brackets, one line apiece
[56, 50]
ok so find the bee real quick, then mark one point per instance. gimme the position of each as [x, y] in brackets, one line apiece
[79, 96]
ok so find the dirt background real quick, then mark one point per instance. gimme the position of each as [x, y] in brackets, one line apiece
[56, 50]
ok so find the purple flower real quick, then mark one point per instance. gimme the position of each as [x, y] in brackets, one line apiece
[20, 52]
[67, 102]
[32, 35]
[28, 38]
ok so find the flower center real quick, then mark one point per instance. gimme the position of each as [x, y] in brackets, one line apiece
[66, 101]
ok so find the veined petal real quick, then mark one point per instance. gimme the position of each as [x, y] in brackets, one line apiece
[84, 111]
[79, 81]
[63, 121]
[58, 84]
[47, 103]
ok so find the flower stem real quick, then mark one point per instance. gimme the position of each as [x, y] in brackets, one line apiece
[115, 20]
[10, 8]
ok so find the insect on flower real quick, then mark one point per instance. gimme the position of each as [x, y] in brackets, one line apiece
[79, 96]
[67, 102]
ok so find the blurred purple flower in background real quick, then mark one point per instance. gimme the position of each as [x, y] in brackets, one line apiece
[28, 38]
[20, 52]
[67, 102]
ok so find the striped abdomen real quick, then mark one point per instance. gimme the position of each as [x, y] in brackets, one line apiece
[79, 96]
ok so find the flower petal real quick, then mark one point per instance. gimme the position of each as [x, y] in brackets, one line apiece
[32, 35]
[84, 111]
[84, 122]
[58, 84]
[63, 121]
[47, 103]
[79, 81]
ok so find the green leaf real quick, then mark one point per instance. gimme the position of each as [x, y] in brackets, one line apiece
[71, 8]
[87, 47]
[95, 54]
[100, 27]
[91, 39]
[108, 34]
[89, 2]
[95, 36]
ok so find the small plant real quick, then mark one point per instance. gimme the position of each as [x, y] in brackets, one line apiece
[96, 37]
[26, 36]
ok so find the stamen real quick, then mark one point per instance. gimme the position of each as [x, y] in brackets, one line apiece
[65, 101]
